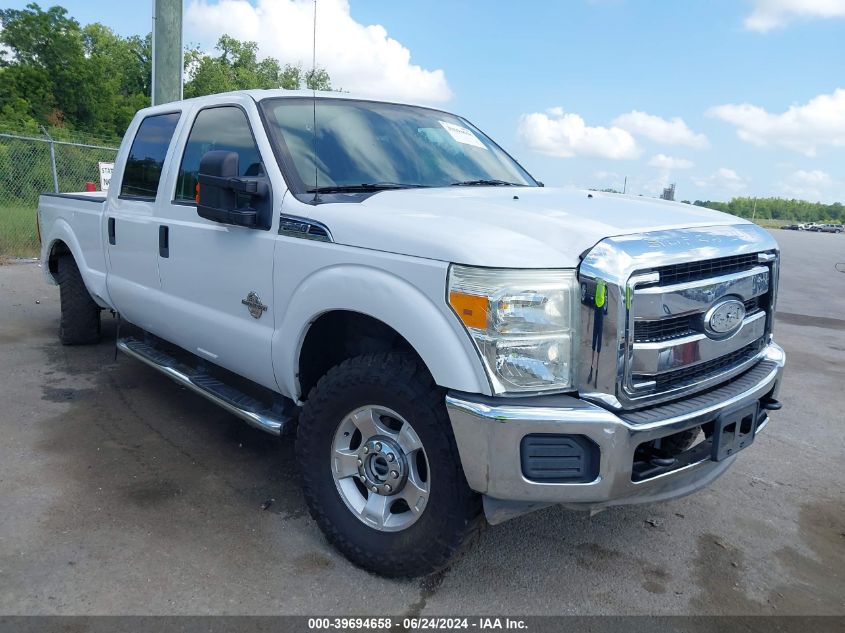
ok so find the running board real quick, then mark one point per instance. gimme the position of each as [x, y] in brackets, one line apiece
[234, 401]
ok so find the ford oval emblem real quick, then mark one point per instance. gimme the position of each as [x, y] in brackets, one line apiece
[724, 318]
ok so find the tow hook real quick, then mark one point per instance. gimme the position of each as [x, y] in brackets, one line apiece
[770, 404]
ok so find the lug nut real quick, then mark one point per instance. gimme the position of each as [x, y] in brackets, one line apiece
[362, 478]
[391, 457]
[360, 462]
[378, 446]
[394, 474]
[366, 449]
[374, 489]
[387, 487]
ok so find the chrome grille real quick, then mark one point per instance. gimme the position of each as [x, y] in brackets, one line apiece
[670, 349]
[663, 330]
[646, 335]
[691, 375]
[693, 271]
[677, 327]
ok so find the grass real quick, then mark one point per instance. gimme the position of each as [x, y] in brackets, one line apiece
[772, 224]
[18, 233]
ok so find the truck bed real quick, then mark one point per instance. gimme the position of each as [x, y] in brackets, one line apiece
[75, 221]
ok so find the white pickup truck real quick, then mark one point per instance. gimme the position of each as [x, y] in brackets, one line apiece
[447, 338]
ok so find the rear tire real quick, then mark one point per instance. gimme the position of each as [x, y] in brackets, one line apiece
[80, 319]
[395, 390]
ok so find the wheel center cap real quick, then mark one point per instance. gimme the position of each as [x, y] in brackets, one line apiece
[382, 466]
[379, 467]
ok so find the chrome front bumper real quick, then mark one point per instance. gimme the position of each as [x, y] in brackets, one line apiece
[489, 432]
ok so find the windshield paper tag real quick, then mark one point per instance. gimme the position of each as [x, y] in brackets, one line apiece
[462, 135]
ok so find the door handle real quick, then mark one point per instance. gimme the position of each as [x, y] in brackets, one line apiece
[164, 241]
[112, 239]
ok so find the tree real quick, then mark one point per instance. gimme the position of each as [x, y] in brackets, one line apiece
[56, 73]
[318, 79]
[63, 75]
[237, 67]
[47, 49]
[779, 209]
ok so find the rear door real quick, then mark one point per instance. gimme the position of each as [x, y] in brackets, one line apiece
[217, 279]
[131, 227]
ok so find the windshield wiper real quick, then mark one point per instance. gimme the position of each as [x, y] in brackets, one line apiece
[485, 183]
[363, 187]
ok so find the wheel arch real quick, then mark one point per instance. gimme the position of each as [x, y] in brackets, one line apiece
[57, 248]
[61, 240]
[337, 335]
[391, 312]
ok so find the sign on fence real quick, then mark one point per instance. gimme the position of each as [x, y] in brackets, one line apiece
[105, 175]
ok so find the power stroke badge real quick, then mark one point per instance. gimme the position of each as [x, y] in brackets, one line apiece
[253, 303]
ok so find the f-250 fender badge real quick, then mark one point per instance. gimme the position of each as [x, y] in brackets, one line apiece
[253, 302]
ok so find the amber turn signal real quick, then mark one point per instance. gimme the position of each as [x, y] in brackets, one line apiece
[472, 309]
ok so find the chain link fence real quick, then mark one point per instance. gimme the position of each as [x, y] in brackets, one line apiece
[34, 164]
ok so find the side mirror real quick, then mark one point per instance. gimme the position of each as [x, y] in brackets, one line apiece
[225, 197]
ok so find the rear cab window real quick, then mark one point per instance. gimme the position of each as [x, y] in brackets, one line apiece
[142, 173]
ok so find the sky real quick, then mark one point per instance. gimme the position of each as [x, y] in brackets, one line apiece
[723, 97]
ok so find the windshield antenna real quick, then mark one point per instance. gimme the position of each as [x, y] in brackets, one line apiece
[314, 104]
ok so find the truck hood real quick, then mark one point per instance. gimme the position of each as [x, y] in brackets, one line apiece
[509, 227]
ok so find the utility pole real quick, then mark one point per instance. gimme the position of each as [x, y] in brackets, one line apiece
[52, 159]
[625, 185]
[167, 51]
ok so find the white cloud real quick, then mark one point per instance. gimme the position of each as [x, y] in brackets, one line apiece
[813, 185]
[814, 177]
[565, 134]
[603, 174]
[670, 132]
[772, 14]
[802, 128]
[5, 52]
[723, 179]
[655, 186]
[662, 161]
[359, 58]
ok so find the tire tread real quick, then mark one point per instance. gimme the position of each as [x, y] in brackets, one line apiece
[80, 316]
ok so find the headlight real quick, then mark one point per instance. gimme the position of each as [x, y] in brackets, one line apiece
[523, 323]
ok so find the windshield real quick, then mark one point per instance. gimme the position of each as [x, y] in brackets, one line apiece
[365, 145]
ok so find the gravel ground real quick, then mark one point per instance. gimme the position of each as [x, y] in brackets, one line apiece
[122, 493]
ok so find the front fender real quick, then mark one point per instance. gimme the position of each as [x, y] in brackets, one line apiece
[430, 328]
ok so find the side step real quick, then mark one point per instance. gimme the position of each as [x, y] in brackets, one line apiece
[244, 406]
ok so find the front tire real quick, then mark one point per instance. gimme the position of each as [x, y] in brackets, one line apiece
[80, 318]
[380, 468]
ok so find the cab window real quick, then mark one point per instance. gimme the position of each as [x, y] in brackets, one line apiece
[221, 128]
[146, 156]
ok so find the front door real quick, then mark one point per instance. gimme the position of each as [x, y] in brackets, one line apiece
[217, 279]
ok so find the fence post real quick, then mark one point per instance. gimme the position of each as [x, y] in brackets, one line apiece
[52, 160]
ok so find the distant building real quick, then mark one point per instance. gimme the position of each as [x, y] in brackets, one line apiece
[668, 192]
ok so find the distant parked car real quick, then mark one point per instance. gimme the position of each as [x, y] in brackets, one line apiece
[831, 228]
[791, 227]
